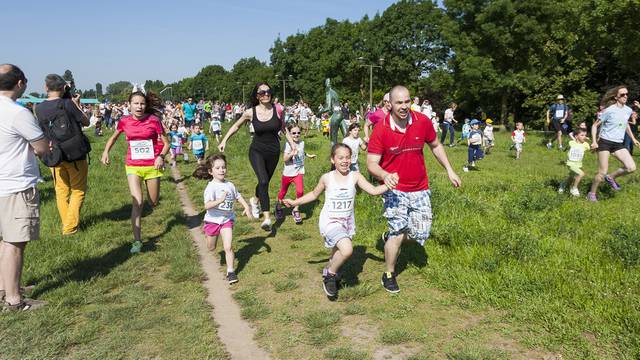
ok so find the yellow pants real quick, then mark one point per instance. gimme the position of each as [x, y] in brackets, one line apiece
[70, 180]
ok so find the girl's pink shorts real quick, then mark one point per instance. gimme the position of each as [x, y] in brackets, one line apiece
[213, 229]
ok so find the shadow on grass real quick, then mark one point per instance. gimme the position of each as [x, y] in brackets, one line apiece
[83, 270]
[353, 266]
[410, 252]
[250, 247]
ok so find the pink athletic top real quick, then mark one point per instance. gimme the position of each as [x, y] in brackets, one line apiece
[143, 139]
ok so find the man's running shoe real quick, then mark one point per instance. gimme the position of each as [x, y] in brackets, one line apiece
[255, 209]
[266, 225]
[296, 216]
[330, 284]
[136, 247]
[232, 277]
[592, 197]
[574, 191]
[389, 282]
[612, 182]
[279, 212]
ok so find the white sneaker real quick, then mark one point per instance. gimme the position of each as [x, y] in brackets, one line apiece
[574, 192]
[465, 169]
[266, 225]
[255, 208]
[560, 190]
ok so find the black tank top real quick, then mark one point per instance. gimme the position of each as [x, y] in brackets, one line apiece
[266, 137]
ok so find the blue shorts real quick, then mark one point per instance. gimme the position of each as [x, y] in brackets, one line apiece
[408, 213]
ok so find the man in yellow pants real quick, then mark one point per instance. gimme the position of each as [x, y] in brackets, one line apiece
[69, 177]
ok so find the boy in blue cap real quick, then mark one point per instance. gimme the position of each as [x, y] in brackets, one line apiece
[475, 143]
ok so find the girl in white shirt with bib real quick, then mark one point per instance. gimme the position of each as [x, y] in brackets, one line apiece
[219, 196]
[337, 220]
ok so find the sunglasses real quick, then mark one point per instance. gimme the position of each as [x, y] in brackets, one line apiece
[265, 92]
[295, 133]
[622, 95]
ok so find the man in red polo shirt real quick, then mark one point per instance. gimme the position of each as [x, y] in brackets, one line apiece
[396, 157]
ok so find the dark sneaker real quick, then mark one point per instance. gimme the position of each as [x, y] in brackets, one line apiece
[279, 212]
[136, 247]
[296, 216]
[232, 277]
[24, 305]
[330, 284]
[389, 282]
[612, 182]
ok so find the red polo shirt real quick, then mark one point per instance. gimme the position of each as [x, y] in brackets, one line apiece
[403, 153]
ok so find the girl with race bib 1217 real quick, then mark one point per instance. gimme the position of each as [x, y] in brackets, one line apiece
[337, 219]
[219, 196]
[146, 147]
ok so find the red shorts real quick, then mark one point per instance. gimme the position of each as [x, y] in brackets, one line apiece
[213, 229]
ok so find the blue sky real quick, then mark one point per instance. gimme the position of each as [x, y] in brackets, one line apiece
[107, 41]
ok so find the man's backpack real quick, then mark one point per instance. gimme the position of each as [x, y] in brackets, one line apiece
[67, 139]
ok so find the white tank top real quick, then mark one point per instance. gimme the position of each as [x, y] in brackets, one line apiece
[340, 198]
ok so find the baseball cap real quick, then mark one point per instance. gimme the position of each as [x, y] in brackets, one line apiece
[489, 121]
[474, 122]
[560, 97]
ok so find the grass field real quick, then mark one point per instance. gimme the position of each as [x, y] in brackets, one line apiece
[103, 302]
[512, 270]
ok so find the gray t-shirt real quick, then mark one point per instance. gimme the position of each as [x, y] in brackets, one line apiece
[614, 123]
[18, 165]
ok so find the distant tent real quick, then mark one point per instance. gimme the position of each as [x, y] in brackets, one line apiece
[35, 100]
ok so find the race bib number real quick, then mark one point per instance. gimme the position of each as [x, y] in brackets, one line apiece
[176, 141]
[337, 108]
[197, 145]
[576, 154]
[559, 113]
[141, 149]
[341, 208]
[476, 138]
[226, 205]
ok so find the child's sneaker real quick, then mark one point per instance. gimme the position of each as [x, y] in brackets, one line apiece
[574, 192]
[136, 247]
[465, 168]
[612, 182]
[330, 284]
[266, 225]
[279, 212]
[232, 277]
[549, 146]
[561, 190]
[296, 216]
[389, 282]
[592, 197]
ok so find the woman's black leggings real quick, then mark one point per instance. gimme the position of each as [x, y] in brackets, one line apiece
[264, 165]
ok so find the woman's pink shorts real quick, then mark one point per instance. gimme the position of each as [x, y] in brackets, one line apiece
[213, 229]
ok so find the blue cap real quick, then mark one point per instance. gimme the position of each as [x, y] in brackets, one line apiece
[474, 122]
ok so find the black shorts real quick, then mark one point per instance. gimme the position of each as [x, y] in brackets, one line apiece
[555, 125]
[610, 146]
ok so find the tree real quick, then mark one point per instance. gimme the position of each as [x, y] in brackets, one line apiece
[99, 90]
[119, 91]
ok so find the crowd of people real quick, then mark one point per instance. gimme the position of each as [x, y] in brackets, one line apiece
[395, 134]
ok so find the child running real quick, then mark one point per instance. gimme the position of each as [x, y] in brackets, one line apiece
[216, 128]
[184, 132]
[518, 138]
[176, 139]
[474, 141]
[488, 136]
[354, 142]
[293, 172]
[198, 143]
[577, 147]
[337, 220]
[219, 196]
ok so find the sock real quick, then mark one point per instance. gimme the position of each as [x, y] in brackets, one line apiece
[229, 270]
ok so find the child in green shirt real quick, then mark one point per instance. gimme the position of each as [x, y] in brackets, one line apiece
[577, 148]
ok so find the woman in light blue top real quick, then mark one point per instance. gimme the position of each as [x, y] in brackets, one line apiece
[614, 123]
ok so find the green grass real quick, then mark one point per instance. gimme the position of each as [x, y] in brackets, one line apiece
[105, 303]
[511, 265]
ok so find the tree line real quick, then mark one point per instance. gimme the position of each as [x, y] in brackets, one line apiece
[501, 57]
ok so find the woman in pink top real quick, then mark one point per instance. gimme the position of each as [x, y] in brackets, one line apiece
[147, 146]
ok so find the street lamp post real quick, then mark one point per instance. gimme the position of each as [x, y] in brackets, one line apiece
[371, 66]
[284, 87]
[243, 85]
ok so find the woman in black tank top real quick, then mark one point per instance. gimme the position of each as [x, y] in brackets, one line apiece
[264, 151]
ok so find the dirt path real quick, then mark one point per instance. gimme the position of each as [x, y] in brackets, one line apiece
[234, 332]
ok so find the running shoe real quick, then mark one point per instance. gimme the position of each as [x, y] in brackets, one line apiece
[296, 216]
[330, 284]
[549, 146]
[266, 225]
[255, 208]
[279, 212]
[574, 192]
[465, 168]
[560, 147]
[561, 190]
[612, 182]
[592, 197]
[389, 282]
[136, 247]
[232, 277]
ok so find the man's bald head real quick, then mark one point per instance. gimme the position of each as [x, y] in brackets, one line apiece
[398, 91]
[10, 75]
